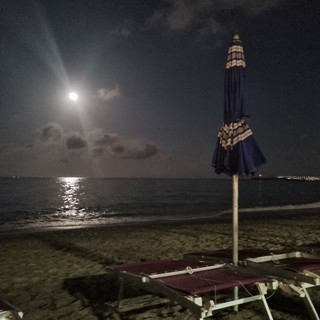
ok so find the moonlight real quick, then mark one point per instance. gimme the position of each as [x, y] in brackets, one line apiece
[73, 96]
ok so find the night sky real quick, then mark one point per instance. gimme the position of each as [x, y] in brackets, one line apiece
[150, 77]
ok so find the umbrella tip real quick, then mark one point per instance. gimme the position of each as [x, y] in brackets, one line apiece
[236, 37]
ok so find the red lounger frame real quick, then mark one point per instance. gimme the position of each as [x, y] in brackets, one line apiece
[297, 270]
[184, 281]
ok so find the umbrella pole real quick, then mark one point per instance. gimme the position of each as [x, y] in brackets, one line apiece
[235, 206]
[235, 195]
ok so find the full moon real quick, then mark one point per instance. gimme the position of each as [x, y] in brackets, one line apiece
[73, 96]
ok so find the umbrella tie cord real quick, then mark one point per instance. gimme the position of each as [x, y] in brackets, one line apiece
[251, 294]
[245, 288]
[189, 270]
[276, 261]
[272, 294]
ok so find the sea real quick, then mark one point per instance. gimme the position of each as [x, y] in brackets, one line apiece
[39, 204]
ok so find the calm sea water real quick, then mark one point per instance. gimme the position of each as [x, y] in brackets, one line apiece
[29, 204]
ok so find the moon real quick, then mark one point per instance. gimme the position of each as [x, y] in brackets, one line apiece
[73, 96]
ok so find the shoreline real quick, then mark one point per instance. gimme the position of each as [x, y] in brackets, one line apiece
[62, 274]
[219, 218]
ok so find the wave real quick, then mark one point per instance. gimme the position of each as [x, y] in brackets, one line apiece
[305, 206]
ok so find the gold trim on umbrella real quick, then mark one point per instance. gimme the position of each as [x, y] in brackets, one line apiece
[229, 135]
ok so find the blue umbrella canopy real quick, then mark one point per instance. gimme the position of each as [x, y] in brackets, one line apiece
[237, 152]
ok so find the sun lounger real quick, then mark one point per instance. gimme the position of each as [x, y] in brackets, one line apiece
[301, 269]
[194, 285]
[8, 311]
[310, 247]
[297, 271]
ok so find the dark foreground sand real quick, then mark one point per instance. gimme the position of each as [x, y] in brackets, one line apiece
[62, 274]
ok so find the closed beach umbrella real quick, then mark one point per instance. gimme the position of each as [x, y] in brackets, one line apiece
[237, 152]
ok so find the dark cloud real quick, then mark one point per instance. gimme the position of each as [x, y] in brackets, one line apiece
[78, 155]
[98, 143]
[147, 152]
[135, 151]
[54, 133]
[104, 143]
[60, 152]
[118, 148]
[106, 139]
[75, 142]
[51, 132]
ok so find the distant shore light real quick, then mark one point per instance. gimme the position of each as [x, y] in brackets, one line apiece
[73, 96]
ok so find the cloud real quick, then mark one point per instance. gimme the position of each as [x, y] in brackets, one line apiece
[56, 140]
[51, 132]
[133, 152]
[183, 13]
[108, 94]
[143, 153]
[95, 144]
[75, 141]
[204, 16]
[118, 149]
[99, 137]
[57, 151]
[104, 143]
[97, 154]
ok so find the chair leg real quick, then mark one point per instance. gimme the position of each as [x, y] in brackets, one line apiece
[262, 289]
[236, 297]
[309, 305]
[266, 308]
[121, 292]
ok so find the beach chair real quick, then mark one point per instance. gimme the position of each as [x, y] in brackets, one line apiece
[8, 311]
[296, 271]
[193, 284]
[310, 247]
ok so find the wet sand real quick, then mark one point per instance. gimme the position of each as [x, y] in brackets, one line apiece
[62, 274]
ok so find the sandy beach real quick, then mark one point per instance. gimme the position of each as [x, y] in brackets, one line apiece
[62, 274]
